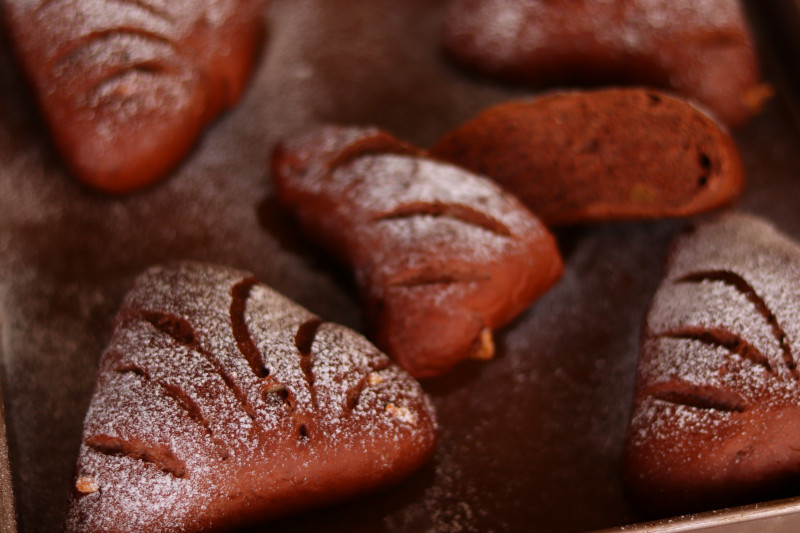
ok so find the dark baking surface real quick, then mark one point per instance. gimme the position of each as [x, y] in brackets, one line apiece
[530, 441]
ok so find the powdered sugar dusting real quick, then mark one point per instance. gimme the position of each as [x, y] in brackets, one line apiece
[128, 85]
[709, 305]
[699, 49]
[718, 361]
[503, 34]
[494, 28]
[430, 243]
[90, 42]
[385, 183]
[180, 424]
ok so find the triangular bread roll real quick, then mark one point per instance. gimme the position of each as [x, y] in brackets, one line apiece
[220, 403]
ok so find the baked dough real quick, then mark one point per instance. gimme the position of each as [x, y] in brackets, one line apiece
[127, 87]
[220, 403]
[716, 412]
[591, 156]
[701, 50]
[442, 257]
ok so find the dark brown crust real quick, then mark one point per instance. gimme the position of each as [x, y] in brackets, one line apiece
[441, 256]
[589, 156]
[220, 403]
[716, 412]
[701, 50]
[127, 87]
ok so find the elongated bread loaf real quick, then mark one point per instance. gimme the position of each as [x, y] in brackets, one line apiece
[442, 256]
[220, 403]
[589, 156]
[701, 50]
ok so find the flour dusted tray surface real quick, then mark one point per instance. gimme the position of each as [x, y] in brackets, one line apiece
[531, 440]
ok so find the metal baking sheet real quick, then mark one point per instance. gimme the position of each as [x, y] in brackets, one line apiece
[529, 441]
[8, 524]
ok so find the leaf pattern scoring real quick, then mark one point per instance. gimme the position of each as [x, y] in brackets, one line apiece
[716, 408]
[214, 387]
[442, 257]
[126, 86]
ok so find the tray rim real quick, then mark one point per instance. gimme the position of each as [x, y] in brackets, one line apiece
[718, 519]
[8, 524]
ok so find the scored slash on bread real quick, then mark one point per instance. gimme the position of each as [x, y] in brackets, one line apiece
[127, 86]
[220, 403]
[701, 50]
[611, 154]
[716, 412]
[442, 257]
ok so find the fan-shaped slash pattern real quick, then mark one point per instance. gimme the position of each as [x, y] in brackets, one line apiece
[182, 332]
[710, 397]
[126, 86]
[214, 387]
[716, 408]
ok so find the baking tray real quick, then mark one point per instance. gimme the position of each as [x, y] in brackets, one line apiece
[529, 441]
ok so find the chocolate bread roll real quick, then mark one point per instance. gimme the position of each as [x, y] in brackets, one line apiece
[716, 412]
[221, 403]
[127, 87]
[442, 257]
[701, 50]
[612, 154]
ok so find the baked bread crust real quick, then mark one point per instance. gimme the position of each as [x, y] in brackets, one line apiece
[611, 154]
[220, 403]
[716, 412]
[442, 257]
[701, 50]
[127, 87]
